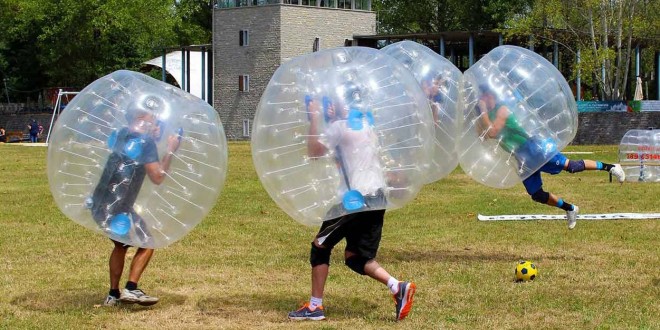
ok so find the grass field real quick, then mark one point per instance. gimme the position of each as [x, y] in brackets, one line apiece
[246, 265]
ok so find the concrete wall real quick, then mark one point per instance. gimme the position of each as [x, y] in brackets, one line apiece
[301, 25]
[259, 60]
[277, 33]
[610, 127]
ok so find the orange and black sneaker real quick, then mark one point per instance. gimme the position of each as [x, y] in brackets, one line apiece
[306, 313]
[404, 299]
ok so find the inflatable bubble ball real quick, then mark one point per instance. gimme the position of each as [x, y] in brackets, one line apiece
[341, 131]
[518, 113]
[639, 155]
[441, 82]
[137, 160]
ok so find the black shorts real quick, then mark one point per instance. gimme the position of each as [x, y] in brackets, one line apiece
[362, 231]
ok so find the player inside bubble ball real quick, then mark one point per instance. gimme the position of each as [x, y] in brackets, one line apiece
[351, 136]
[432, 85]
[496, 121]
[134, 156]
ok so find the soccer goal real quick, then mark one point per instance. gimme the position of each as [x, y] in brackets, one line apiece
[56, 110]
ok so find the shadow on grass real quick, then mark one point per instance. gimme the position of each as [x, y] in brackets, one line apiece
[342, 308]
[462, 255]
[66, 300]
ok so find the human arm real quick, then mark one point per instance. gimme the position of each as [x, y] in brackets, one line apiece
[435, 110]
[314, 146]
[157, 171]
[492, 128]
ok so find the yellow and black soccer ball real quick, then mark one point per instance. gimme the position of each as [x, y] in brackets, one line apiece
[526, 271]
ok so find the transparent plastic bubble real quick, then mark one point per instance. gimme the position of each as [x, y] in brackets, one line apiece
[639, 155]
[341, 131]
[519, 112]
[441, 82]
[106, 139]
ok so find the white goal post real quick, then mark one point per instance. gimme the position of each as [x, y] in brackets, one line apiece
[56, 110]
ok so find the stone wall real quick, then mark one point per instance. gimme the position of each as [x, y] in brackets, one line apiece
[301, 25]
[259, 60]
[610, 127]
[277, 33]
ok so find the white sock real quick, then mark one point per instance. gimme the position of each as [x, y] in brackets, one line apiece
[315, 302]
[393, 285]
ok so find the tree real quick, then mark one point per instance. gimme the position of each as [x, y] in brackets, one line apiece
[604, 31]
[73, 42]
[402, 16]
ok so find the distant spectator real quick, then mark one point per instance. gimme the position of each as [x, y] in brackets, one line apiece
[41, 130]
[33, 126]
[3, 135]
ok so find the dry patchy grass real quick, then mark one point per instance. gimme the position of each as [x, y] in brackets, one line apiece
[245, 266]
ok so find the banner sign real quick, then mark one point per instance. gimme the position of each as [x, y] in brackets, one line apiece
[618, 106]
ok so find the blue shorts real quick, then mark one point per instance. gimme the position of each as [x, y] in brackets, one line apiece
[554, 166]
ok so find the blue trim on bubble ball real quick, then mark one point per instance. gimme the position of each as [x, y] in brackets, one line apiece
[120, 224]
[370, 118]
[355, 119]
[353, 200]
[161, 129]
[326, 109]
[112, 139]
[133, 148]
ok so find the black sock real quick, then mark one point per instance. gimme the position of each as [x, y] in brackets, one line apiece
[114, 293]
[607, 167]
[567, 206]
[131, 286]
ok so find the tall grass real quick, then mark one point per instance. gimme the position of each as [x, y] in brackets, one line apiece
[246, 265]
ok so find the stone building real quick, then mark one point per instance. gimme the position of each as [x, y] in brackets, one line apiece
[251, 38]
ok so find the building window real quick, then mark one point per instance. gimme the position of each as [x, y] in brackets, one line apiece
[244, 37]
[317, 44]
[344, 4]
[246, 127]
[244, 83]
[362, 4]
[328, 3]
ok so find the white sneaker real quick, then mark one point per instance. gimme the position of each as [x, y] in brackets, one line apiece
[618, 172]
[110, 301]
[571, 216]
[137, 296]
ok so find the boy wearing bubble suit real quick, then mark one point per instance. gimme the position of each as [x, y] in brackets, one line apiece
[134, 156]
[351, 134]
[431, 87]
[498, 122]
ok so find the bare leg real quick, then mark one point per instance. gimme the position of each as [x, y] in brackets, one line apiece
[590, 165]
[372, 269]
[117, 264]
[139, 263]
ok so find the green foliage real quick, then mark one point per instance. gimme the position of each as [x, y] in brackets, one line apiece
[73, 42]
[605, 32]
[401, 16]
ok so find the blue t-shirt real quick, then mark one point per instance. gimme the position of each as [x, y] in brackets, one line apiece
[123, 174]
[34, 128]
